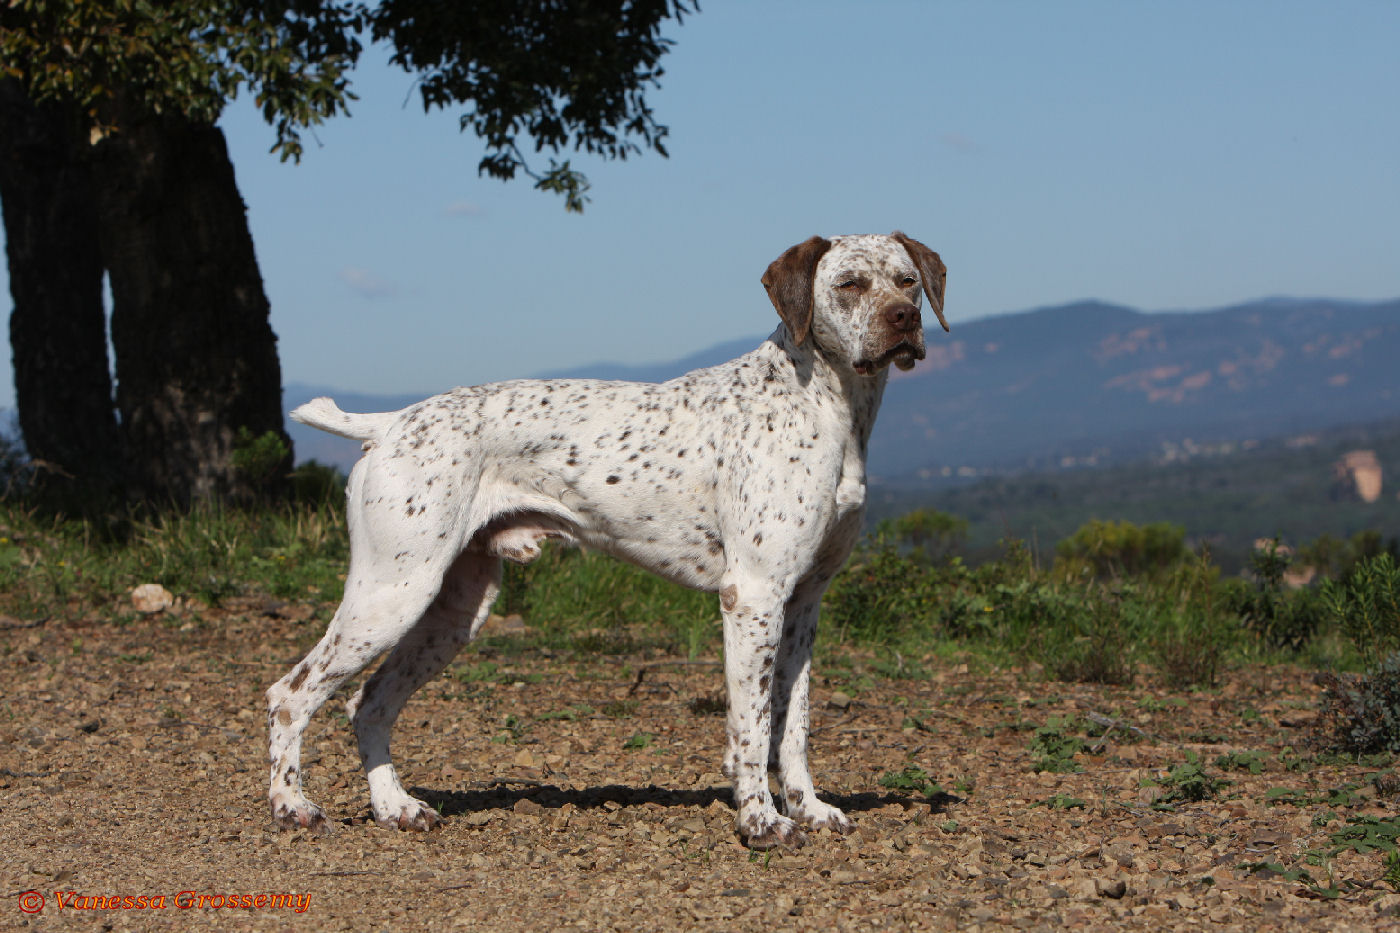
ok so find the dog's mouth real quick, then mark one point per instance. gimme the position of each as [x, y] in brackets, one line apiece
[903, 355]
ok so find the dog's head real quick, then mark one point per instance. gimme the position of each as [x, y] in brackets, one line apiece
[858, 297]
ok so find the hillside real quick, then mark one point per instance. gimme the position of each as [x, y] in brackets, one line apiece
[1097, 383]
[1288, 487]
[1088, 383]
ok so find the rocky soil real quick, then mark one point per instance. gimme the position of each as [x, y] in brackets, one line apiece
[132, 763]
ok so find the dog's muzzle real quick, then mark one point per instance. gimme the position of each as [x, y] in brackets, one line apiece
[903, 354]
[905, 328]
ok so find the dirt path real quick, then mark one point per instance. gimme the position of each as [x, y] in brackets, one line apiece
[132, 764]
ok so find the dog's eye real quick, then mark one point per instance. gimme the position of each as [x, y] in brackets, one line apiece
[909, 281]
[848, 285]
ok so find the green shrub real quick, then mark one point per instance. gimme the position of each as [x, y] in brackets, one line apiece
[262, 461]
[927, 535]
[1278, 616]
[1075, 632]
[1336, 559]
[1366, 607]
[1361, 713]
[1109, 550]
[575, 594]
[1191, 627]
[997, 602]
[315, 484]
[1093, 643]
[881, 594]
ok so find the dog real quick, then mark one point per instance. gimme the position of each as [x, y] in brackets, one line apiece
[746, 479]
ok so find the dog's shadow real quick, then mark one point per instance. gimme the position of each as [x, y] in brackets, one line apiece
[504, 795]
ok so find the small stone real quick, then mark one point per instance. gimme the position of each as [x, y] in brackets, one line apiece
[1388, 904]
[151, 598]
[527, 807]
[1114, 889]
[840, 700]
[513, 624]
[1084, 888]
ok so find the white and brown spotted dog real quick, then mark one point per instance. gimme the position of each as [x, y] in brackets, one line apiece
[746, 479]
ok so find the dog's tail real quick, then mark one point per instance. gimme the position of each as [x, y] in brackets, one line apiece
[323, 414]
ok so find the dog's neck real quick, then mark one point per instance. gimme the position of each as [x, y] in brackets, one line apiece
[845, 389]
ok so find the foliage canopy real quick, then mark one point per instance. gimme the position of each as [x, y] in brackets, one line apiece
[566, 74]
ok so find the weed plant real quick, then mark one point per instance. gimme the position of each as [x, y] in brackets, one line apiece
[1366, 606]
[1361, 714]
[1188, 782]
[1191, 628]
[1281, 616]
[1054, 745]
[912, 779]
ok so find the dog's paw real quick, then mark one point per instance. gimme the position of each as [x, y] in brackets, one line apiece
[817, 816]
[302, 816]
[772, 832]
[415, 815]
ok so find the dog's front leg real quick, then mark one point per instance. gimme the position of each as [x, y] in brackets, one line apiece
[753, 620]
[788, 752]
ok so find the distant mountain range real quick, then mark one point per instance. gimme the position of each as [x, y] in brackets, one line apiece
[1081, 384]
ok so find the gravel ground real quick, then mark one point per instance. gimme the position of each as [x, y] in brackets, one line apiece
[132, 765]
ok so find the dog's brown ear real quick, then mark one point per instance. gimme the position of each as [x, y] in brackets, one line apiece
[789, 284]
[931, 270]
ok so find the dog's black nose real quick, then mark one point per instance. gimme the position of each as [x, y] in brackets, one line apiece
[903, 317]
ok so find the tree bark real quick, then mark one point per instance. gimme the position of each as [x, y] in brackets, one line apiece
[196, 357]
[58, 334]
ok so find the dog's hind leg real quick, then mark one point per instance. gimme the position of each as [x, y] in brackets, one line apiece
[453, 619]
[371, 619]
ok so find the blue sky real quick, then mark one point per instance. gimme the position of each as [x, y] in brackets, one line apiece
[1162, 155]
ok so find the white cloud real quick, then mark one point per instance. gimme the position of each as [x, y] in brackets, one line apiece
[959, 143]
[366, 283]
[463, 209]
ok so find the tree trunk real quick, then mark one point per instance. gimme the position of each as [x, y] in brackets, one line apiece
[58, 333]
[197, 371]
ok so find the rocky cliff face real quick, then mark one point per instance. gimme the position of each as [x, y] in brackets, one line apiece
[1357, 475]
